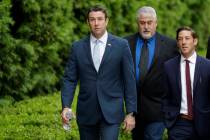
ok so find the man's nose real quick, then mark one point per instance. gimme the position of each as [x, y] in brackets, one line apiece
[183, 41]
[96, 22]
[146, 25]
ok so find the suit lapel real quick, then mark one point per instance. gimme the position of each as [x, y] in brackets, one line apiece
[132, 43]
[107, 50]
[158, 44]
[178, 72]
[196, 74]
[88, 50]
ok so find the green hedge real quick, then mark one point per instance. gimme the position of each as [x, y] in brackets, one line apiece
[35, 39]
[38, 118]
[35, 35]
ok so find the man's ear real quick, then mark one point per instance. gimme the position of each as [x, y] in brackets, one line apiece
[195, 41]
[107, 21]
[87, 22]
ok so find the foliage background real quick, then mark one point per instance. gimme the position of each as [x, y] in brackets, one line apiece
[36, 35]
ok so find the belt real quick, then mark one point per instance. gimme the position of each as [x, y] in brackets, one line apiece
[185, 117]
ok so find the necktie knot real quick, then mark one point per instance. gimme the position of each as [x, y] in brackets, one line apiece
[187, 61]
[97, 42]
[145, 41]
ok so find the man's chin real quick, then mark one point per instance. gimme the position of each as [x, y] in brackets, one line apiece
[146, 36]
[97, 34]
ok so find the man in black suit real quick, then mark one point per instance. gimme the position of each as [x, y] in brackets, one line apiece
[103, 64]
[208, 49]
[186, 105]
[150, 50]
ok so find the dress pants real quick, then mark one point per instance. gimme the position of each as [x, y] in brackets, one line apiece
[184, 130]
[148, 130]
[102, 130]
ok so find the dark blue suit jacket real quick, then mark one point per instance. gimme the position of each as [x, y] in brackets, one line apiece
[201, 94]
[106, 89]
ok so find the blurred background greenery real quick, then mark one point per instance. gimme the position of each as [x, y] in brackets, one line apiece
[35, 38]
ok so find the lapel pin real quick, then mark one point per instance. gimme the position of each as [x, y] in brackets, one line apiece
[109, 44]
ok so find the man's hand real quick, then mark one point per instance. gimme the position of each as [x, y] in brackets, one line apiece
[64, 119]
[129, 122]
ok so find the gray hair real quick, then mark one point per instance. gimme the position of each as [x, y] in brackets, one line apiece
[146, 10]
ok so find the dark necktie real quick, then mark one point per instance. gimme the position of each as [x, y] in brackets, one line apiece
[144, 59]
[189, 89]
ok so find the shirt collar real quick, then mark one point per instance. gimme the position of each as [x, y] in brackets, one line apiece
[103, 39]
[152, 38]
[192, 58]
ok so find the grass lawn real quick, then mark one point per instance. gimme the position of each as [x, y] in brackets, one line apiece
[38, 118]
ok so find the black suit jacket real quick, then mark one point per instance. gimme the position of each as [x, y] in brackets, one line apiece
[208, 49]
[150, 91]
[201, 94]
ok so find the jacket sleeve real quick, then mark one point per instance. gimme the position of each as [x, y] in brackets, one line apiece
[69, 80]
[129, 80]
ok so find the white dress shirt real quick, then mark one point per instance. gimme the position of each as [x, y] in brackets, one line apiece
[102, 44]
[192, 62]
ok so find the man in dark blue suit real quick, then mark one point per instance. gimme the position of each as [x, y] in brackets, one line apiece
[107, 81]
[186, 105]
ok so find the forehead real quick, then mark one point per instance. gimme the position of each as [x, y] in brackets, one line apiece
[185, 33]
[93, 14]
[146, 17]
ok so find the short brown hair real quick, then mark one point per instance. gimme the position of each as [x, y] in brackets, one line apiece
[97, 8]
[186, 28]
